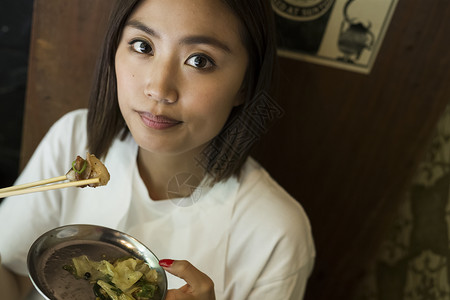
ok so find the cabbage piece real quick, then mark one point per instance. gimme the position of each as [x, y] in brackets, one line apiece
[94, 270]
[82, 265]
[149, 274]
[126, 274]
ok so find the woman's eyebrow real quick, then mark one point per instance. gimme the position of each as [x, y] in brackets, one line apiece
[201, 39]
[189, 40]
[141, 26]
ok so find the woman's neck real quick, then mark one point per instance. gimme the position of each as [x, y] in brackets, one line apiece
[159, 171]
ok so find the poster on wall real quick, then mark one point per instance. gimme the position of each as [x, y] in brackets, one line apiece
[346, 34]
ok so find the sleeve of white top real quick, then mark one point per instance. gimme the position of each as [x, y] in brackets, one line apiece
[290, 288]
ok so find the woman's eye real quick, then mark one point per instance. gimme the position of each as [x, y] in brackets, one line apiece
[200, 62]
[141, 47]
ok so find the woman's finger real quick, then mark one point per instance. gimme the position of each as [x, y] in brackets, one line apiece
[198, 283]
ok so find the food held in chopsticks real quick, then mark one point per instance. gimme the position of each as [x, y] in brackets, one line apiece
[126, 278]
[88, 168]
[85, 172]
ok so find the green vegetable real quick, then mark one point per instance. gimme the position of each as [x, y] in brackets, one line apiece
[146, 290]
[82, 169]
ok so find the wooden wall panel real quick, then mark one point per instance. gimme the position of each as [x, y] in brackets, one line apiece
[66, 36]
[346, 147]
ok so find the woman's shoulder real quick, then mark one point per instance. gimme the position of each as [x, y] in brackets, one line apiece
[70, 125]
[59, 146]
[256, 182]
[261, 195]
[77, 116]
[69, 131]
[266, 216]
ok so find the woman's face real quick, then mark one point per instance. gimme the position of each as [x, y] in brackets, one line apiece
[179, 67]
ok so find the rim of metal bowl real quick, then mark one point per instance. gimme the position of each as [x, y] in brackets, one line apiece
[55, 248]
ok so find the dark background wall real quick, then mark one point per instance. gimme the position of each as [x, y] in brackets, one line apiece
[15, 27]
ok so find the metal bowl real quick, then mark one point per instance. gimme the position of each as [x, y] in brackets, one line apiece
[56, 248]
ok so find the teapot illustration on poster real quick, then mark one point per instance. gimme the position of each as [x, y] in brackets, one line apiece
[354, 37]
[345, 34]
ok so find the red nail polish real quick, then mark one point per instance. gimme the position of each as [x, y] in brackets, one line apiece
[166, 263]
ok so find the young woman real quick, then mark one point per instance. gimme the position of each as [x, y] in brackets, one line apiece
[172, 115]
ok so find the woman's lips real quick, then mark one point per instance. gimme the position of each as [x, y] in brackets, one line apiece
[159, 121]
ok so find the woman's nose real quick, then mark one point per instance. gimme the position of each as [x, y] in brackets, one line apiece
[161, 83]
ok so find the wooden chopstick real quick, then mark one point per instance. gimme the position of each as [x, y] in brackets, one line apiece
[19, 189]
[31, 184]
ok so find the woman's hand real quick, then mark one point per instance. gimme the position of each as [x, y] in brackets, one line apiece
[198, 285]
